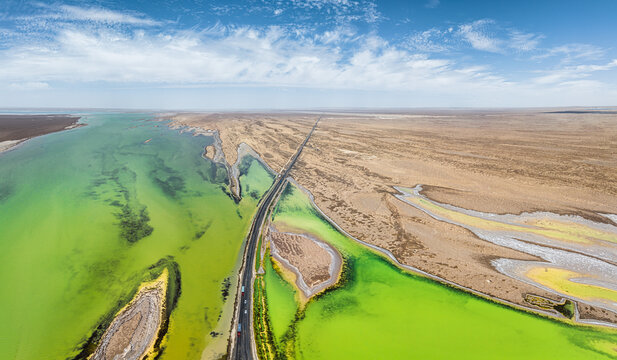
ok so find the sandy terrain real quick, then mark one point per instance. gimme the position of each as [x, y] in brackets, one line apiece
[489, 161]
[316, 264]
[209, 152]
[15, 129]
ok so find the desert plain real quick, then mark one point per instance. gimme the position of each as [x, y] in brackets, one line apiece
[559, 162]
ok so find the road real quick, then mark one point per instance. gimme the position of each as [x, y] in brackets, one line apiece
[243, 345]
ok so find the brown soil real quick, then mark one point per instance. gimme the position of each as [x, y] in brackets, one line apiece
[17, 127]
[594, 313]
[490, 161]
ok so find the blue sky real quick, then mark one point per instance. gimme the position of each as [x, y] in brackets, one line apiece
[198, 54]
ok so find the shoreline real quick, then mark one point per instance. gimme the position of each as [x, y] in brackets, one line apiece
[416, 271]
[351, 172]
[244, 149]
[485, 294]
[565, 257]
[141, 318]
[220, 157]
[16, 130]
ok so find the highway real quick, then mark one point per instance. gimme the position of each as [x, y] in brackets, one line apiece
[242, 348]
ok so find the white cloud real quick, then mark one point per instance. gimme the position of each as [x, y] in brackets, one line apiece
[371, 14]
[476, 35]
[484, 35]
[344, 11]
[6, 35]
[431, 4]
[572, 52]
[319, 4]
[91, 15]
[104, 16]
[568, 74]
[30, 85]
[244, 56]
[432, 40]
[99, 48]
[524, 41]
[339, 34]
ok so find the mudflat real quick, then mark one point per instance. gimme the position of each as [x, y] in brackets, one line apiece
[18, 127]
[315, 263]
[492, 161]
[133, 332]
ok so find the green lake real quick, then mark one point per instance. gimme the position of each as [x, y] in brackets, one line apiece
[382, 312]
[84, 213]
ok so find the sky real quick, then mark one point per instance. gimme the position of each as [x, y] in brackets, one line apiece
[294, 54]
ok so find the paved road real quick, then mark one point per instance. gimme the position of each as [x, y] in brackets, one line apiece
[243, 346]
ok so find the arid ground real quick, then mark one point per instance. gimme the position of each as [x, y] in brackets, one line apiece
[316, 265]
[493, 161]
[17, 128]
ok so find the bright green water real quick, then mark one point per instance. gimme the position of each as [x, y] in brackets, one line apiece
[382, 312]
[281, 298]
[65, 257]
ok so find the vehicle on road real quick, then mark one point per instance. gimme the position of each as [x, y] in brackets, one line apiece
[242, 348]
